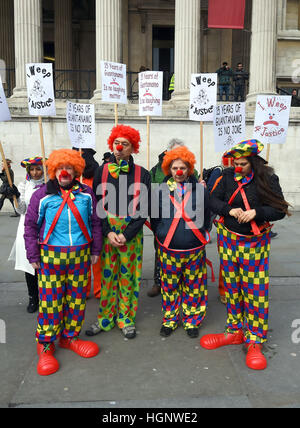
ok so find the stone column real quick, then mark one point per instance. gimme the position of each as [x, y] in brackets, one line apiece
[108, 37]
[187, 46]
[263, 49]
[28, 40]
[63, 46]
[7, 48]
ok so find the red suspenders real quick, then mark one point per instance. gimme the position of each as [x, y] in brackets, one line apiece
[67, 200]
[255, 229]
[137, 185]
[180, 213]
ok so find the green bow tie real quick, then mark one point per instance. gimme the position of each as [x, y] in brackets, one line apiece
[114, 169]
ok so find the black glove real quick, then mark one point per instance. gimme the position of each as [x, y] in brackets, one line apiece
[13, 191]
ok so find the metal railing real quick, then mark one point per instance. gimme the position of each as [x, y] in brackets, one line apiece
[81, 84]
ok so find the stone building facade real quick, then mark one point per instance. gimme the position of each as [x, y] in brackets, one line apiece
[167, 35]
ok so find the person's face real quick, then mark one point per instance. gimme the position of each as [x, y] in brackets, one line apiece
[240, 66]
[244, 164]
[125, 145]
[294, 92]
[177, 166]
[36, 172]
[7, 163]
[65, 174]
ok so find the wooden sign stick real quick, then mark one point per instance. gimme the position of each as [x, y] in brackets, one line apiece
[43, 148]
[148, 143]
[116, 115]
[80, 151]
[268, 153]
[8, 173]
[201, 151]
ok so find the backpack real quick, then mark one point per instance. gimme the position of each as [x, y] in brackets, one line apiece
[207, 172]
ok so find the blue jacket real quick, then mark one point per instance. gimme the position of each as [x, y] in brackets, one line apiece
[41, 211]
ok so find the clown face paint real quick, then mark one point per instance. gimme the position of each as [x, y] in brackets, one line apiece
[122, 149]
[179, 170]
[242, 166]
[65, 175]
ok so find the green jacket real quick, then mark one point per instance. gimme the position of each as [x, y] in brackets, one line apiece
[224, 76]
[172, 83]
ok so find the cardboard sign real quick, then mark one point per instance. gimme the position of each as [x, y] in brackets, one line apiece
[229, 125]
[40, 90]
[150, 93]
[114, 82]
[272, 118]
[203, 96]
[4, 110]
[81, 125]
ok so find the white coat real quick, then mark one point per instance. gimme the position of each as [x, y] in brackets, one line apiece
[18, 252]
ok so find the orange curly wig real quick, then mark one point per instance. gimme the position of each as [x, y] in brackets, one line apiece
[127, 132]
[65, 157]
[179, 153]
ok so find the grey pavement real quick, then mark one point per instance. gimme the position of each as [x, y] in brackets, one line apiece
[150, 371]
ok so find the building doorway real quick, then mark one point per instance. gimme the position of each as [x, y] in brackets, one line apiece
[163, 54]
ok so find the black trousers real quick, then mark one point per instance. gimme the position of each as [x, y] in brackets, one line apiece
[32, 285]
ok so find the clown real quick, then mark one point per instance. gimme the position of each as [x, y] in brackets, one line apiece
[247, 197]
[63, 237]
[122, 254]
[181, 244]
[34, 180]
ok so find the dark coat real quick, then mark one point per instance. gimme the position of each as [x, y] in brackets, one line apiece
[221, 195]
[183, 238]
[136, 223]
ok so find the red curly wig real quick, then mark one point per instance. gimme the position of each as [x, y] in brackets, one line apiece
[127, 132]
[65, 157]
[181, 153]
[225, 161]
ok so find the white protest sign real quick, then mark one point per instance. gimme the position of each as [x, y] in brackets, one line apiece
[229, 125]
[114, 82]
[150, 93]
[4, 110]
[81, 125]
[41, 100]
[203, 96]
[272, 118]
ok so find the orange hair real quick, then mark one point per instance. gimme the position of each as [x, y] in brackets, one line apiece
[131, 134]
[65, 157]
[181, 153]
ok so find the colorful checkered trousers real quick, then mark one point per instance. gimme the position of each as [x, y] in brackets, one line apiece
[183, 285]
[245, 268]
[63, 281]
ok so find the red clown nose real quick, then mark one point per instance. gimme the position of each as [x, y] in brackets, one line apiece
[119, 147]
[179, 173]
[65, 174]
[238, 169]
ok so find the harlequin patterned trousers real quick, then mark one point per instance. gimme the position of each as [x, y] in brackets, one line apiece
[62, 290]
[183, 285]
[245, 269]
[121, 282]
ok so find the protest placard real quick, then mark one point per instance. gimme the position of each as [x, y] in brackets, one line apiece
[150, 93]
[114, 82]
[40, 90]
[81, 125]
[4, 110]
[229, 125]
[272, 118]
[203, 96]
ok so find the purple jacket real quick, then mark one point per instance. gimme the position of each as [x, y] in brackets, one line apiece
[41, 211]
